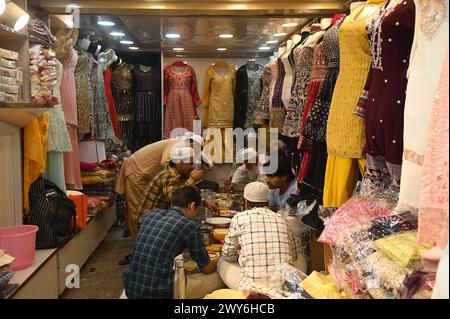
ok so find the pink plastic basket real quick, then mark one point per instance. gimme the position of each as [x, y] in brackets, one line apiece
[20, 243]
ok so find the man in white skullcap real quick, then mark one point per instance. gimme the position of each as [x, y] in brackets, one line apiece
[249, 171]
[258, 241]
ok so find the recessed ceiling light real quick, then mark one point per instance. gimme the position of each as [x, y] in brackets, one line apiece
[221, 49]
[117, 34]
[180, 56]
[106, 23]
[237, 7]
[226, 36]
[178, 49]
[126, 42]
[133, 48]
[281, 34]
[264, 48]
[158, 7]
[271, 41]
[289, 25]
[173, 35]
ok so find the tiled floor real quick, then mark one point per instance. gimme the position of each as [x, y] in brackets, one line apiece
[101, 277]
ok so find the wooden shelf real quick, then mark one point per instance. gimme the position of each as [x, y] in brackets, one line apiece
[8, 33]
[14, 116]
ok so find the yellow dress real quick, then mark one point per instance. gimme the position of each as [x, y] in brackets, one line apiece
[345, 130]
[35, 136]
[219, 96]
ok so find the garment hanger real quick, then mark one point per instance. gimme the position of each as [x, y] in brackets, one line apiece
[117, 64]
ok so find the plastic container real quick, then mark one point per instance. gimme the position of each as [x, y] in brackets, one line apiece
[20, 243]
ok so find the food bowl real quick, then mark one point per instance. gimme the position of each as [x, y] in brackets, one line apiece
[214, 248]
[213, 256]
[220, 233]
[227, 213]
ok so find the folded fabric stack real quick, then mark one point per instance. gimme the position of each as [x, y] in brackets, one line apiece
[43, 75]
[98, 179]
[98, 203]
[5, 269]
[39, 31]
[375, 252]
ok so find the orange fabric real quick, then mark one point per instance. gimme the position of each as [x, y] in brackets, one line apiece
[81, 203]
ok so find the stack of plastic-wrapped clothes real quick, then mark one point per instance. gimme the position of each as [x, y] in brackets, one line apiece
[5, 273]
[376, 253]
[98, 181]
[44, 79]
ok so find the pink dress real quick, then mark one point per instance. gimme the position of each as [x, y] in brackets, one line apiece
[180, 98]
[72, 171]
[434, 192]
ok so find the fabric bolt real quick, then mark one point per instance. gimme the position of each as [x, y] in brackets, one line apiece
[147, 120]
[434, 192]
[425, 65]
[316, 124]
[107, 75]
[82, 91]
[55, 169]
[158, 193]
[278, 201]
[163, 235]
[72, 170]
[303, 56]
[264, 101]
[122, 84]
[219, 96]
[390, 38]
[345, 130]
[340, 179]
[259, 240]
[58, 137]
[180, 99]
[35, 135]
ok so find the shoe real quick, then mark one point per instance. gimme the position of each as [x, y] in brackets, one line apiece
[125, 261]
[126, 233]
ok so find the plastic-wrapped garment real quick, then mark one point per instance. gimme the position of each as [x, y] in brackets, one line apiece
[291, 278]
[403, 249]
[354, 213]
[321, 286]
[394, 224]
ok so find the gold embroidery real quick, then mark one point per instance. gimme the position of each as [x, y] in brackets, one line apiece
[413, 157]
[434, 14]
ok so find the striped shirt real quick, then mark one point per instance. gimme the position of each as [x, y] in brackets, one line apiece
[158, 193]
[260, 240]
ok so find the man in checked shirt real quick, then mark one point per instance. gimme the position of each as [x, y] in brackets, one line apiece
[259, 240]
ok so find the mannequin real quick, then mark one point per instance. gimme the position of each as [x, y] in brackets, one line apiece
[66, 39]
[370, 8]
[107, 58]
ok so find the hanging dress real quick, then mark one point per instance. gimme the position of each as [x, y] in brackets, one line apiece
[148, 117]
[262, 111]
[83, 98]
[107, 75]
[390, 37]
[425, 65]
[72, 170]
[180, 99]
[277, 108]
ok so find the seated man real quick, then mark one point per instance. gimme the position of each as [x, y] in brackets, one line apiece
[250, 171]
[259, 240]
[163, 235]
[282, 184]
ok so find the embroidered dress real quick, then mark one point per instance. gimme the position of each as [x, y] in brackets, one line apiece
[390, 37]
[180, 98]
[253, 94]
[425, 65]
[264, 101]
[277, 108]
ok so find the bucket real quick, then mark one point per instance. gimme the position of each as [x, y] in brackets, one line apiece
[19, 242]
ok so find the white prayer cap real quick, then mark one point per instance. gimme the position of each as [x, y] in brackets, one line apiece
[181, 154]
[256, 192]
[252, 135]
[249, 154]
[194, 137]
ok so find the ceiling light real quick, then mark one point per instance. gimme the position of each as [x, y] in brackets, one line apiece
[14, 16]
[173, 35]
[221, 49]
[117, 34]
[271, 41]
[106, 23]
[126, 42]
[178, 49]
[237, 7]
[180, 56]
[289, 25]
[158, 7]
[264, 48]
[226, 36]
[281, 34]
[133, 48]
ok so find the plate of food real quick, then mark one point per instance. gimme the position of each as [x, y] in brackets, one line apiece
[227, 213]
[214, 248]
[218, 220]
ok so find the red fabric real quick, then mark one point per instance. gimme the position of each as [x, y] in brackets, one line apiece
[106, 164]
[112, 106]
[337, 17]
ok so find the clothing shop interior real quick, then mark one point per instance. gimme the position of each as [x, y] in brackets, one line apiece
[247, 149]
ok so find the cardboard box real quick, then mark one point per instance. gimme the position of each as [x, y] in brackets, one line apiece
[11, 89]
[10, 64]
[11, 97]
[12, 73]
[10, 55]
[8, 80]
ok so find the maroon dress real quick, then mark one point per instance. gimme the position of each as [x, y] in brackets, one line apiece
[390, 35]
